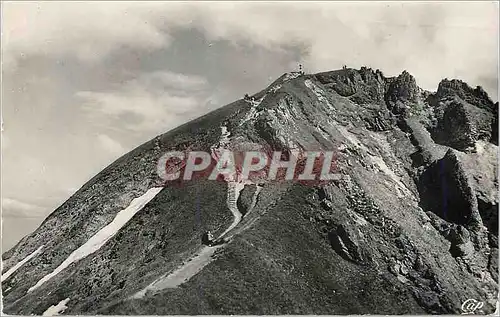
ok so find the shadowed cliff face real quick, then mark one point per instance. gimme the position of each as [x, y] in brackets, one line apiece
[410, 227]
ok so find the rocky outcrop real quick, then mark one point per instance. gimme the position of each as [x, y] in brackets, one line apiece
[345, 241]
[362, 86]
[447, 190]
[402, 93]
[494, 125]
[460, 124]
[462, 115]
[461, 244]
[457, 88]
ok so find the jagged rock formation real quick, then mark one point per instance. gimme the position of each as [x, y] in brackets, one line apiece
[411, 228]
[402, 93]
[463, 115]
[447, 190]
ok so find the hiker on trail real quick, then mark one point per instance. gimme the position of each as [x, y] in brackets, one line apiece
[207, 238]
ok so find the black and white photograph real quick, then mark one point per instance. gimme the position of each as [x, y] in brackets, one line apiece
[249, 158]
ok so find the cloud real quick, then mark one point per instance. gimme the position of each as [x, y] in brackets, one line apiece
[84, 30]
[178, 81]
[431, 40]
[19, 209]
[149, 102]
[112, 146]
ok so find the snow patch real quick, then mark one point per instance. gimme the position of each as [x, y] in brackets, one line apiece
[103, 235]
[55, 310]
[290, 76]
[386, 170]
[274, 89]
[378, 161]
[13, 269]
[182, 274]
[487, 149]
[359, 220]
[287, 112]
[281, 133]
[322, 132]
[223, 144]
[320, 94]
[350, 137]
[224, 139]
[480, 145]
[252, 113]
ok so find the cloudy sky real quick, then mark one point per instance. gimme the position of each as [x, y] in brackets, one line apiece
[84, 83]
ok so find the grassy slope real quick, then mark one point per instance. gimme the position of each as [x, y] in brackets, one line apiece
[96, 203]
[281, 265]
[156, 240]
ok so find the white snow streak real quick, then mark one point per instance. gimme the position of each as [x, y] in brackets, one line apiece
[21, 263]
[222, 145]
[320, 94]
[290, 76]
[378, 161]
[55, 310]
[254, 199]
[182, 274]
[274, 89]
[103, 235]
[281, 134]
[387, 171]
[224, 139]
[252, 113]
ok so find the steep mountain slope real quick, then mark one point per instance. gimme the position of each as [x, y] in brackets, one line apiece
[412, 226]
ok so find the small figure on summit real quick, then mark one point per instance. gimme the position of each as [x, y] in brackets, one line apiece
[301, 70]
